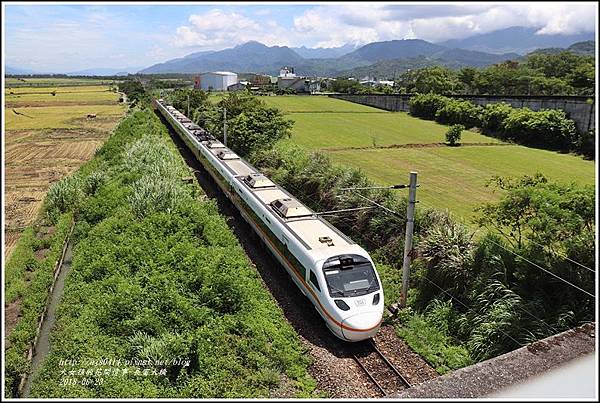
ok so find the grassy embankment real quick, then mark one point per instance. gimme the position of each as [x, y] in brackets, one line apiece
[158, 276]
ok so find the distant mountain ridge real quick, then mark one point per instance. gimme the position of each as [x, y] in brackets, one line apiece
[256, 57]
[521, 40]
[104, 71]
[324, 53]
[17, 70]
[249, 57]
[585, 48]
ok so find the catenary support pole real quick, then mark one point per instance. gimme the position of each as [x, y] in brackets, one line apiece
[225, 126]
[410, 225]
[188, 105]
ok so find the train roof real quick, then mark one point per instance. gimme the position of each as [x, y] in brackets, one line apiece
[314, 232]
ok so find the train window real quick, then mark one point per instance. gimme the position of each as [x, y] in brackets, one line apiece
[314, 281]
[349, 276]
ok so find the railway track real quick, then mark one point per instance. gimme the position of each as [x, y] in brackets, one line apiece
[381, 372]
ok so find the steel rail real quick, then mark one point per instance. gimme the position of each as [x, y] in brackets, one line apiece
[392, 366]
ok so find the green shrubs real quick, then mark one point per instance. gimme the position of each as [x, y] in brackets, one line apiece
[65, 195]
[547, 128]
[453, 134]
[427, 335]
[426, 105]
[493, 115]
[456, 111]
[157, 274]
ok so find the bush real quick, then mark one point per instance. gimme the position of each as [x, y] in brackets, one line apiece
[431, 342]
[456, 111]
[548, 128]
[93, 181]
[453, 134]
[493, 115]
[426, 105]
[65, 195]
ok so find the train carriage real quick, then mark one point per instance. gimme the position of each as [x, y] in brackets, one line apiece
[335, 274]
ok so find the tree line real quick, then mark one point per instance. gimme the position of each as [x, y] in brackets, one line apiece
[563, 73]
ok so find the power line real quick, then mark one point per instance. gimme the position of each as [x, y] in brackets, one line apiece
[469, 309]
[541, 268]
[563, 256]
[379, 205]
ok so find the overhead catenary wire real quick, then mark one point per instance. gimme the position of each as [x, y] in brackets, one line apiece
[543, 269]
[563, 256]
[469, 309]
[379, 205]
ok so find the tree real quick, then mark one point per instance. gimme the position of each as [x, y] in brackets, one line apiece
[468, 76]
[251, 124]
[439, 80]
[583, 77]
[179, 99]
[453, 134]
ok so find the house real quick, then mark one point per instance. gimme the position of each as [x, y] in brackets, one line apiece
[288, 80]
[242, 85]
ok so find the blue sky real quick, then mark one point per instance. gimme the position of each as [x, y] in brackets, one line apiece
[63, 38]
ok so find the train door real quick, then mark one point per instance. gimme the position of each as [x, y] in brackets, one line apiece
[289, 262]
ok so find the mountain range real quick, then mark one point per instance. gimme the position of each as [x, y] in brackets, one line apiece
[256, 57]
[475, 51]
[520, 40]
[325, 53]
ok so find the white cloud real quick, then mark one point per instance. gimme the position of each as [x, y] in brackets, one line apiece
[336, 25]
[217, 29]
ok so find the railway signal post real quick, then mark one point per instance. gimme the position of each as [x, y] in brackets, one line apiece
[410, 225]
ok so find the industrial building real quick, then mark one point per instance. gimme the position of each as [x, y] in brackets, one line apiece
[217, 80]
[288, 79]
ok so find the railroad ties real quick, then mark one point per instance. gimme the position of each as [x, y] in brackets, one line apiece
[382, 373]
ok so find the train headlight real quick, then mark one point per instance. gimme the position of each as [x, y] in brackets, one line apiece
[376, 299]
[341, 304]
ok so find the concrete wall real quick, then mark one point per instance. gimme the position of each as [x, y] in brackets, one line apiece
[577, 108]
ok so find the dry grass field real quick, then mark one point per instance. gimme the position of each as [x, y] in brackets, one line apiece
[47, 137]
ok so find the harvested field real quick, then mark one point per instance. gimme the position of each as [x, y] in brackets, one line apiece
[46, 138]
[61, 98]
[59, 117]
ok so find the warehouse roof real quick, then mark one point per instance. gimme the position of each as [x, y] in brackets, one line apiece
[221, 73]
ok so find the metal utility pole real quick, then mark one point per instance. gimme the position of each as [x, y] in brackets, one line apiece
[188, 105]
[225, 126]
[410, 225]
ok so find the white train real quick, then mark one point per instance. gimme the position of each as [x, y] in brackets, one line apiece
[336, 275]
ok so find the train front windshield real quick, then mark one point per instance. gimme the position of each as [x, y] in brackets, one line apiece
[349, 276]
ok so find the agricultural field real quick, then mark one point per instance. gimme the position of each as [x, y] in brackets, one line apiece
[47, 137]
[388, 145]
[55, 81]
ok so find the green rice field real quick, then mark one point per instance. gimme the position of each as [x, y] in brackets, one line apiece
[452, 178]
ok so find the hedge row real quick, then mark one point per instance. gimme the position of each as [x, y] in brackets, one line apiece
[547, 128]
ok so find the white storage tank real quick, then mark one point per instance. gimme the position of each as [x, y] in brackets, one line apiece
[217, 80]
